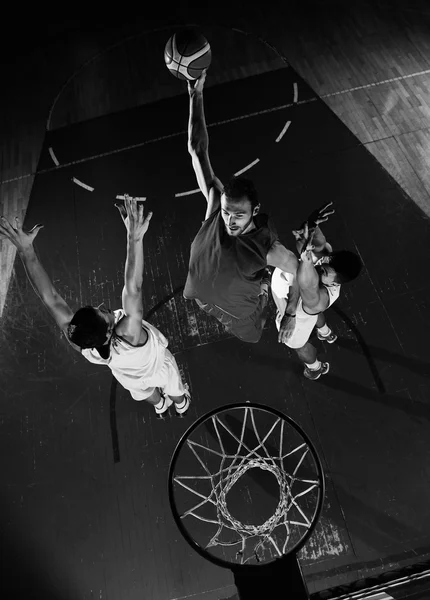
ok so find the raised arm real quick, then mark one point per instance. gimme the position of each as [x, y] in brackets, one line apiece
[36, 274]
[314, 296]
[198, 147]
[310, 232]
[137, 225]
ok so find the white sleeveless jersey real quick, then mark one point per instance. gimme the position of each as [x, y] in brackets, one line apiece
[132, 365]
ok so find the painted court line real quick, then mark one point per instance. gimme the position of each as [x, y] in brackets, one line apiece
[281, 135]
[250, 115]
[157, 139]
[257, 160]
[189, 193]
[54, 158]
[83, 185]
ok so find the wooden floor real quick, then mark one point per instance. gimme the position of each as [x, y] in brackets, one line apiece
[370, 63]
[371, 66]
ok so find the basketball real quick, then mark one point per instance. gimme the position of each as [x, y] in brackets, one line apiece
[187, 54]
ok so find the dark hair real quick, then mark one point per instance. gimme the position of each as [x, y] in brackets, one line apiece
[238, 187]
[347, 265]
[88, 328]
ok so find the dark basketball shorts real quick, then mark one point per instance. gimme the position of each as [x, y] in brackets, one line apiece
[248, 329]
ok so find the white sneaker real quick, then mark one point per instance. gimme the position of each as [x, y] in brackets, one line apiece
[164, 404]
[182, 408]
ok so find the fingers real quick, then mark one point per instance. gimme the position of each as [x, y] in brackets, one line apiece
[35, 229]
[5, 223]
[122, 211]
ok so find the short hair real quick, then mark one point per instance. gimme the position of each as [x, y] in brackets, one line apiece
[238, 187]
[347, 265]
[88, 328]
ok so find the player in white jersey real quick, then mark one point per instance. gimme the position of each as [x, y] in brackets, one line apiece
[320, 275]
[134, 350]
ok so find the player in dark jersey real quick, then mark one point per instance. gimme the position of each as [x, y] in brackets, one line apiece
[228, 275]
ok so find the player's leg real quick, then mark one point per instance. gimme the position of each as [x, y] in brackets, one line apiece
[313, 367]
[173, 385]
[154, 396]
[324, 332]
[299, 342]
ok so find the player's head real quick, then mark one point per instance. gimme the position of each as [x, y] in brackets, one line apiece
[339, 267]
[239, 204]
[91, 327]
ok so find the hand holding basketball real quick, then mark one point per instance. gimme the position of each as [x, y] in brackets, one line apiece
[16, 235]
[198, 84]
[133, 216]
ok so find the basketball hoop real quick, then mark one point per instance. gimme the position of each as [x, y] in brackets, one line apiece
[210, 466]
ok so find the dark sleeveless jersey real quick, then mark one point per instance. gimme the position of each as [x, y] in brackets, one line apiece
[226, 270]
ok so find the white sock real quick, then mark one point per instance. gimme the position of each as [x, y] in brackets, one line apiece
[314, 366]
[324, 330]
[160, 404]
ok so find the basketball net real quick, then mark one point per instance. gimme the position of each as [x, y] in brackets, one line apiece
[299, 493]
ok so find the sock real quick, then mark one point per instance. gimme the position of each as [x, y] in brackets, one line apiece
[324, 330]
[314, 366]
[160, 404]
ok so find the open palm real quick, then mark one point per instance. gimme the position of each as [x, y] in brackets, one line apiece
[21, 239]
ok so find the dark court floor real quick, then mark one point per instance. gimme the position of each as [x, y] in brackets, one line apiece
[83, 507]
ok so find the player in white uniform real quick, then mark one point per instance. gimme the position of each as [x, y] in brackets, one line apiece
[320, 275]
[134, 350]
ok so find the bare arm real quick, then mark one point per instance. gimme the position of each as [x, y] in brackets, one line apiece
[198, 147]
[314, 296]
[36, 274]
[137, 225]
[310, 232]
[132, 301]
[321, 246]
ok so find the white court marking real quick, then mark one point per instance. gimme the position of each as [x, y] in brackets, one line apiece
[54, 158]
[254, 162]
[82, 184]
[281, 135]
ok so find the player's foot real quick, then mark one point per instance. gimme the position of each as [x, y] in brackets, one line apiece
[182, 408]
[329, 338]
[163, 406]
[316, 373]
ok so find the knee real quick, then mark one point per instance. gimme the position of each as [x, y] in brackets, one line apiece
[153, 396]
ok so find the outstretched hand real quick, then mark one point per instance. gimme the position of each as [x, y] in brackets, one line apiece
[320, 215]
[133, 217]
[305, 236]
[307, 230]
[197, 84]
[16, 235]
